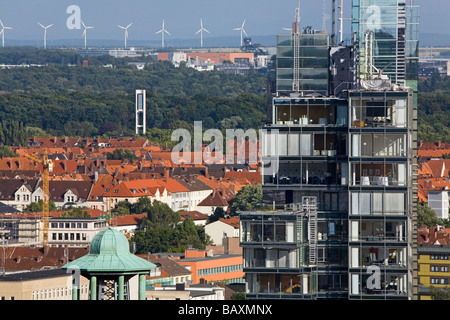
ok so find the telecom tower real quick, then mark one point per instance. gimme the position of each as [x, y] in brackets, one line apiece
[141, 111]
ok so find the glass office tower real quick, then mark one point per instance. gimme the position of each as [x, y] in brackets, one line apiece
[339, 164]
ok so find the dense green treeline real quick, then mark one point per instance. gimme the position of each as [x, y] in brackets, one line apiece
[434, 109]
[64, 73]
[63, 98]
[83, 114]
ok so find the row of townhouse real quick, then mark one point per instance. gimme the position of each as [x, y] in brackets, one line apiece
[19, 193]
[176, 193]
[179, 194]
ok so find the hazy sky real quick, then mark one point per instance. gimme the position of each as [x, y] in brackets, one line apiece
[182, 17]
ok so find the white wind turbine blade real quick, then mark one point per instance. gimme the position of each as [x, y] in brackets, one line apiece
[41, 25]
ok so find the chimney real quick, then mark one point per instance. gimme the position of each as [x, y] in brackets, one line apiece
[420, 144]
[439, 144]
[166, 173]
[206, 172]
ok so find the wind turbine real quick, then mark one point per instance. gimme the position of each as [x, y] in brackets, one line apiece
[45, 33]
[201, 32]
[126, 32]
[85, 33]
[163, 30]
[3, 33]
[242, 31]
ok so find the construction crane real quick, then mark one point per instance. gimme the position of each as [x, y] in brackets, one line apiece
[47, 167]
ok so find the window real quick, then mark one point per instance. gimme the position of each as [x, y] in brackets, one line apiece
[444, 269]
[434, 268]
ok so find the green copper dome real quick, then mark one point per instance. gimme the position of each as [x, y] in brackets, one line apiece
[109, 241]
[109, 252]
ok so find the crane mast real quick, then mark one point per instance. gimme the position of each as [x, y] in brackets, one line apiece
[47, 167]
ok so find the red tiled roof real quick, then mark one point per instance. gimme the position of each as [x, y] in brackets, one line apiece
[129, 219]
[232, 221]
[195, 215]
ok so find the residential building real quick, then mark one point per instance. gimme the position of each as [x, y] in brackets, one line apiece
[199, 218]
[434, 269]
[217, 199]
[74, 231]
[68, 193]
[222, 228]
[438, 201]
[17, 193]
[128, 224]
[339, 163]
[198, 190]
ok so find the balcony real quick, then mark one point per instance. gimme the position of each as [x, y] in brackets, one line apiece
[392, 286]
[378, 113]
[274, 259]
[382, 256]
[311, 114]
[307, 173]
[378, 174]
[268, 232]
[378, 145]
[378, 231]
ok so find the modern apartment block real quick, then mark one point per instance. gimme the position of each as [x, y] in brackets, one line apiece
[339, 163]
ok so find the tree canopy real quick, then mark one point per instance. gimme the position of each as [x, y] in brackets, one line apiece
[248, 198]
[163, 232]
[63, 98]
